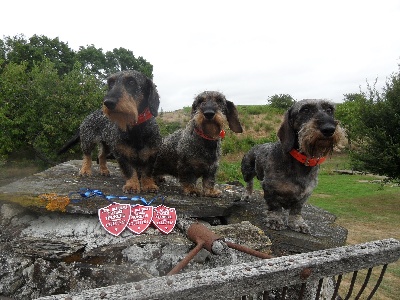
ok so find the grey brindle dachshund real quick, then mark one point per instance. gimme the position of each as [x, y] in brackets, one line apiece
[193, 152]
[288, 169]
[125, 128]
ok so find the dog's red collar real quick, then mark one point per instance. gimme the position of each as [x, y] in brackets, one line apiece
[309, 162]
[144, 116]
[204, 136]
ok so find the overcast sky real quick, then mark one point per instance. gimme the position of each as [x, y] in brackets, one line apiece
[248, 50]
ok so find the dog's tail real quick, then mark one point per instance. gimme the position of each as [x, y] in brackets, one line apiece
[72, 142]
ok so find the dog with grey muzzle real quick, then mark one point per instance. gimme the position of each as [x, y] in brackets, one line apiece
[288, 169]
[193, 152]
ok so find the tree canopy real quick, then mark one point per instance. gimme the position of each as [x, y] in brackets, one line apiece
[19, 49]
[281, 101]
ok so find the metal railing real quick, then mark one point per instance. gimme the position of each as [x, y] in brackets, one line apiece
[312, 275]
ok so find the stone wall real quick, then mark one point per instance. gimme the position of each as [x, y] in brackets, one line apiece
[50, 245]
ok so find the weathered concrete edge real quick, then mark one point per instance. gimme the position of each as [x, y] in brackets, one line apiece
[237, 280]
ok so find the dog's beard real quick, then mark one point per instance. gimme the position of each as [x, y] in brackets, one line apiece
[211, 128]
[319, 148]
[122, 120]
[313, 143]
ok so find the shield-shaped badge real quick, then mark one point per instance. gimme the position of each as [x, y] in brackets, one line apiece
[164, 218]
[114, 217]
[141, 217]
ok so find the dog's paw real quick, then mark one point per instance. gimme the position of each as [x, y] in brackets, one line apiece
[275, 221]
[128, 189]
[105, 172]
[297, 223]
[246, 197]
[190, 190]
[149, 185]
[85, 172]
[212, 192]
[132, 186]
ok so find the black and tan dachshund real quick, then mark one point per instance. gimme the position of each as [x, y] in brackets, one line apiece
[125, 127]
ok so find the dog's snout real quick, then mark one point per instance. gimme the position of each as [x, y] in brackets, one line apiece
[328, 130]
[109, 103]
[209, 114]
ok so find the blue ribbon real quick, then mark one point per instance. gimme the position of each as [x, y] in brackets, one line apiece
[88, 193]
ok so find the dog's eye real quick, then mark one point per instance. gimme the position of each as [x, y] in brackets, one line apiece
[130, 81]
[329, 110]
[305, 109]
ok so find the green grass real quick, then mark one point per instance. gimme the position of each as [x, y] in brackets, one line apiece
[245, 110]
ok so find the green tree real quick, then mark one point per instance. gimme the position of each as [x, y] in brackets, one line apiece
[102, 65]
[373, 126]
[37, 48]
[14, 99]
[348, 113]
[122, 59]
[39, 110]
[19, 49]
[282, 101]
[92, 60]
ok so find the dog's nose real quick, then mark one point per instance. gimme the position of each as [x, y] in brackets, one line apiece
[209, 114]
[328, 130]
[109, 103]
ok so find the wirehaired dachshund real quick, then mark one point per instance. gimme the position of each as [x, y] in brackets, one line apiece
[193, 152]
[288, 169]
[126, 128]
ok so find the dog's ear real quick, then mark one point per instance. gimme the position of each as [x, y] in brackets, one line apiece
[152, 97]
[286, 134]
[233, 117]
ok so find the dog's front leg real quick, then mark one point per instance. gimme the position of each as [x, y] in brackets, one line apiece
[132, 184]
[147, 181]
[103, 152]
[209, 189]
[86, 169]
[147, 158]
[275, 220]
[188, 183]
[296, 221]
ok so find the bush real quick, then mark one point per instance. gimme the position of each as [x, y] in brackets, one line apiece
[372, 121]
[39, 110]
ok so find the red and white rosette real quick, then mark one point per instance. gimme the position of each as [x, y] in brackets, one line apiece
[164, 218]
[114, 217]
[141, 218]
